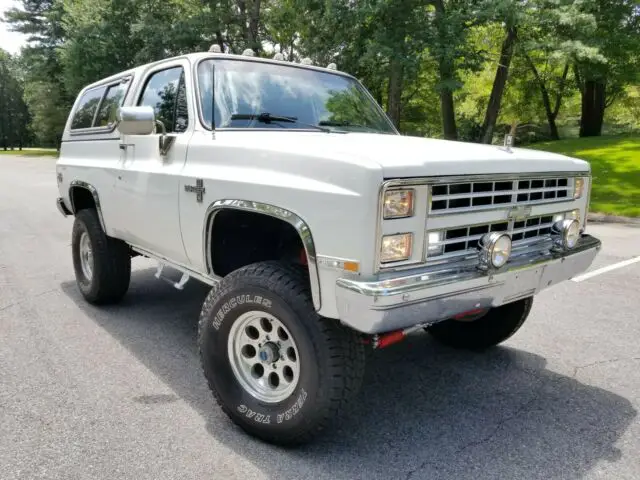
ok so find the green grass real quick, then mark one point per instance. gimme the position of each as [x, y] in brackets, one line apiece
[31, 152]
[615, 166]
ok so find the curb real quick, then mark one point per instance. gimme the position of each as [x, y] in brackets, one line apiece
[606, 218]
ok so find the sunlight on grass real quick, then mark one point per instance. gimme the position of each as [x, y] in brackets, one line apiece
[31, 152]
[615, 166]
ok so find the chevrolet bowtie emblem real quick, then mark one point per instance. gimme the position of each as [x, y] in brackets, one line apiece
[519, 213]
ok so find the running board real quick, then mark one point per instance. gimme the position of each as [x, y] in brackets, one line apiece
[178, 285]
[211, 280]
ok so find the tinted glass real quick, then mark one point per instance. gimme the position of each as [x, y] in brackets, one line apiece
[112, 100]
[165, 92]
[312, 97]
[83, 117]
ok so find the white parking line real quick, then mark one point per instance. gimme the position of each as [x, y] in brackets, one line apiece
[606, 269]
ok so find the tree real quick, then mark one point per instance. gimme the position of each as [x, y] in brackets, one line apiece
[617, 36]
[14, 115]
[44, 86]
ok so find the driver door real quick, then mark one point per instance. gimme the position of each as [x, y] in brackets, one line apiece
[147, 185]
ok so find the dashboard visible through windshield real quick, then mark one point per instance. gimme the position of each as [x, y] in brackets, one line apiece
[254, 95]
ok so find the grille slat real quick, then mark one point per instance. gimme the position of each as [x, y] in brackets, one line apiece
[481, 195]
[464, 240]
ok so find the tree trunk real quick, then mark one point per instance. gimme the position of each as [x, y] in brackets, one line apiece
[593, 106]
[546, 101]
[254, 25]
[446, 71]
[499, 83]
[396, 78]
[220, 40]
[447, 107]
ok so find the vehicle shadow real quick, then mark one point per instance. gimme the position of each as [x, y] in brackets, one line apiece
[425, 411]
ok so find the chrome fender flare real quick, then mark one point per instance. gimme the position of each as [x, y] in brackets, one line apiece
[266, 209]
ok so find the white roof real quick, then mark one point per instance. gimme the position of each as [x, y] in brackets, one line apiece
[195, 57]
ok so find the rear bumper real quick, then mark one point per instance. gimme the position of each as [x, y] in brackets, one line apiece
[431, 295]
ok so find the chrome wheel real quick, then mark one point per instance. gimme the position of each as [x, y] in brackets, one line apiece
[86, 256]
[264, 356]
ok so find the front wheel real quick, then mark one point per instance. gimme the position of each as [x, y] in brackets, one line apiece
[495, 327]
[275, 367]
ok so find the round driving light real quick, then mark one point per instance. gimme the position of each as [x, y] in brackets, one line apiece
[566, 234]
[495, 250]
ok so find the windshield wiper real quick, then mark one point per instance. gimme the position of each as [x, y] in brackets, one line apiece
[345, 123]
[268, 118]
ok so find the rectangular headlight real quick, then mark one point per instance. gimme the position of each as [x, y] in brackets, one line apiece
[578, 187]
[396, 248]
[398, 203]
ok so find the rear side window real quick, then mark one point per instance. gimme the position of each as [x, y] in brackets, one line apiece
[165, 91]
[83, 118]
[112, 100]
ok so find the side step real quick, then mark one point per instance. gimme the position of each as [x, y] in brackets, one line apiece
[179, 285]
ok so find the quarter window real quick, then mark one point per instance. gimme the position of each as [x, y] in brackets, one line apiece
[112, 100]
[83, 117]
[165, 91]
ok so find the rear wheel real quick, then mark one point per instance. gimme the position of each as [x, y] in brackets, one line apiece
[102, 264]
[275, 367]
[495, 327]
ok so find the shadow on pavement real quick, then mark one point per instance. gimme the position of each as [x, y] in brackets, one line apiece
[424, 411]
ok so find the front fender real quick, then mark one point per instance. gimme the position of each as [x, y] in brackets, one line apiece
[281, 213]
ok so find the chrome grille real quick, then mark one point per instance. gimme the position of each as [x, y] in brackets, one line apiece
[461, 240]
[480, 195]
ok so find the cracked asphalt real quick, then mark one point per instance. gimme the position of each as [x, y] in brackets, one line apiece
[117, 392]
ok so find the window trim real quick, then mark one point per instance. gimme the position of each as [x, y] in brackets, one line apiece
[213, 128]
[110, 127]
[150, 74]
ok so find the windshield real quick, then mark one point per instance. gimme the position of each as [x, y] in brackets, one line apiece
[246, 89]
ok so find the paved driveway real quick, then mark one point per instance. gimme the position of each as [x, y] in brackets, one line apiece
[117, 392]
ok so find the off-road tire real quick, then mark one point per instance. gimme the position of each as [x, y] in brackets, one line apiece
[495, 327]
[332, 357]
[111, 261]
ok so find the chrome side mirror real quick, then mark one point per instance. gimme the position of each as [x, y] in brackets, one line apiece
[136, 120]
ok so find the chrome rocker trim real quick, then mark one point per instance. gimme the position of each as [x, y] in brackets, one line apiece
[429, 295]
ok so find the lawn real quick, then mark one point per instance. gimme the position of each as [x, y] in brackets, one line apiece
[31, 152]
[615, 166]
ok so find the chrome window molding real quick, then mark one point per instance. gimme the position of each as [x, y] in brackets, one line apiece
[291, 218]
[227, 57]
[112, 126]
[94, 193]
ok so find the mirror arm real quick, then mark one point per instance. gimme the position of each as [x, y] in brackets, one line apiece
[165, 141]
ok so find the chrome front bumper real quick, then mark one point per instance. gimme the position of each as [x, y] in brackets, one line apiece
[431, 295]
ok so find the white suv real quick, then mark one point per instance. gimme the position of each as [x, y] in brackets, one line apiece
[320, 229]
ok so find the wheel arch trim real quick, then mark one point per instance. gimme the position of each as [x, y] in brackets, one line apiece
[301, 227]
[94, 193]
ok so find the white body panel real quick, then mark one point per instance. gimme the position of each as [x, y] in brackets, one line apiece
[331, 181]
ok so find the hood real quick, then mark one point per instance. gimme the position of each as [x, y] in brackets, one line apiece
[402, 156]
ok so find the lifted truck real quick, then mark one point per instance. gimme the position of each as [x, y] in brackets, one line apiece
[321, 230]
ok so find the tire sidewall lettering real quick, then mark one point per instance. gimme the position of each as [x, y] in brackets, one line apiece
[286, 413]
[235, 302]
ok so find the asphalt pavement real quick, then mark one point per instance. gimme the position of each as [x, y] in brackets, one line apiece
[117, 392]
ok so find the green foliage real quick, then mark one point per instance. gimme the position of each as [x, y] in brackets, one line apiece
[615, 167]
[14, 116]
[430, 63]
